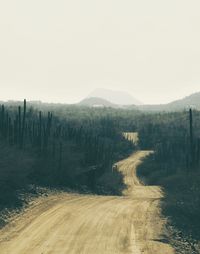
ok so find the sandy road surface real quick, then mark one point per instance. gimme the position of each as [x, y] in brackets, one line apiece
[132, 136]
[89, 224]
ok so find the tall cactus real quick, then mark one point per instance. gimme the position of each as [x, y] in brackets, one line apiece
[2, 118]
[191, 139]
[10, 131]
[23, 126]
[198, 152]
[19, 124]
[40, 132]
[47, 131]
[60, 156]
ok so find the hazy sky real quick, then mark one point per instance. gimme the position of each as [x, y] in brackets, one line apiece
[60, 50]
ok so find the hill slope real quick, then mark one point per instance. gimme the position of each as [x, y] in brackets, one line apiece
[192, 100]
[97, 102]
[116, 97]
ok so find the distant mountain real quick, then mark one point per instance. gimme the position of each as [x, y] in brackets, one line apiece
[116, 97]
[192, 100]
[97, 102]
[185, 103]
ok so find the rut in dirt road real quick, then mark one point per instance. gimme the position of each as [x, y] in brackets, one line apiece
[89, 224]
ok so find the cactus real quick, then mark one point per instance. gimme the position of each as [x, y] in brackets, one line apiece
[10, 132]
[60, 156]
[47, 131]
[192, 155]
[23, 125]
[2, 118]
[40, 132]
[198, 152]
[19, 124]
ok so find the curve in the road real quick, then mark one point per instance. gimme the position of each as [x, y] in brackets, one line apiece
[89, 224]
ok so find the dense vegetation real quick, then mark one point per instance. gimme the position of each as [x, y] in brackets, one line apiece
[75, 146]
[55, 147]
[175, 165]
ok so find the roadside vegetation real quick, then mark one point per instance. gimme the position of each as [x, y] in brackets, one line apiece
[51, 148]
[68, 146]
[175, 165]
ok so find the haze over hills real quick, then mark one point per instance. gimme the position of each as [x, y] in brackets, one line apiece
[97, 102]
[192, 100]
[116, 97]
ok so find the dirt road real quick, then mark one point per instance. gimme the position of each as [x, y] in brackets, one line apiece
[89, 224]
